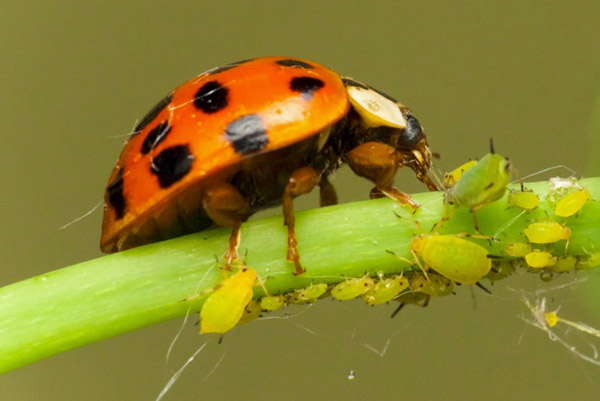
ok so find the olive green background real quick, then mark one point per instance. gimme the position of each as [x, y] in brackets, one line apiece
[75, 76]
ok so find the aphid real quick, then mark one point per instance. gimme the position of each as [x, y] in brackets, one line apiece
[517, 249]
[500, 270]
[352, 288]
[385, 290]
[546, 232]
[571, 203]
[540, 259]
[436, 286]
[547, 321]
[223, 308]
[307, 295]
[272, 302]
[479, 186]
[526, 200]
[589, 262]
[252, 312]
[564, 264]
[455, 258]
[451, 178]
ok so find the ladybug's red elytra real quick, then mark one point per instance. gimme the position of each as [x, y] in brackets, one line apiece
[249, 135]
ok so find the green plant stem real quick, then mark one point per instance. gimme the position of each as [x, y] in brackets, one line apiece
[102, 298]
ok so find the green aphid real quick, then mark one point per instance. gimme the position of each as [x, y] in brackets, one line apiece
[479, 186]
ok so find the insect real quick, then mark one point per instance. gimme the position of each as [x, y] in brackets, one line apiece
[434, 285]
[564, 264]
[352, 288]
[307, 295]
[249, 135]
[480, 185]
[571, 203]
[272, 302]
[451, 178]
[526, 200]
[453, 257]
[517, 249]
[540, 259]
[546, 232]
[224, 308]
[385, 290]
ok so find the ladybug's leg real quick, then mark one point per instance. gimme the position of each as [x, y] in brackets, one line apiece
[302, 181]
[327, 194]
[379, 163]
[227, 207]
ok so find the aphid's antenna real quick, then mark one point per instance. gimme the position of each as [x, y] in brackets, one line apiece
[492, 146]
[560, 166]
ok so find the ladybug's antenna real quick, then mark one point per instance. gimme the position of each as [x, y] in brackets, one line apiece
[492, 146]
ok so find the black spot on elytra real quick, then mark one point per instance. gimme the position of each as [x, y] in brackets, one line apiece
[211, 97]
[156, 136]
[217, 70]
[172, 164]
[306, 86]
[115, 195]
[294, 63]
[151, 115]
[247, 134]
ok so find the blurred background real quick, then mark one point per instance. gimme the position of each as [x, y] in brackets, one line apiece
[75, 76]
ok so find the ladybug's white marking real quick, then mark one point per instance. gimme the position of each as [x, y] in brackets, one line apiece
[375, 109]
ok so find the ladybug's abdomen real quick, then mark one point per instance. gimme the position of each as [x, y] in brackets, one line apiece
[211, 129]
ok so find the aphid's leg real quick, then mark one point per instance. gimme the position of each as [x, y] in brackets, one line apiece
[398, 309]
[447, 214]
[302, 181]
[419, 264]
[379, 163]
[475, 224]
[327, 194]
[227, 207]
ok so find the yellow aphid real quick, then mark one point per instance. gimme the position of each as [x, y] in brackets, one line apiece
[546, 232]
[307, 295]
[385, 290]
[517, 249]
[540, 259]
[593, 260]
[551, 318]
[525, 200]
[455, 258]
[500, 270]
[452, 177]
[223, 309]
[571, 203]
[272, 302]
[352, 288]
[436, 285]
[252, 312]
[564, 264]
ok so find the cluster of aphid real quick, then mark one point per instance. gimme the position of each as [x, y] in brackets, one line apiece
[411, 288]
[439, 260]
[546, 238]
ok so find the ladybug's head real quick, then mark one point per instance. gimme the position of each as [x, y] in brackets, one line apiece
[386, 120]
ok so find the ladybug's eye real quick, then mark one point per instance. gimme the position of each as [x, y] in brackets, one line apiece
[412, 133]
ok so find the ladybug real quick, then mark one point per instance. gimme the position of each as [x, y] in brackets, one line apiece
[249, 135]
